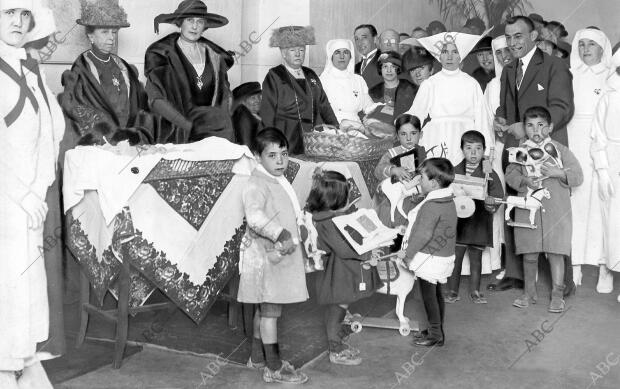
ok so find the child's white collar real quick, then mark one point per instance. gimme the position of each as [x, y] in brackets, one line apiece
[440, 193]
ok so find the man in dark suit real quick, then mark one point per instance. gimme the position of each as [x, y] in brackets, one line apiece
[366, 44]
[532, 79]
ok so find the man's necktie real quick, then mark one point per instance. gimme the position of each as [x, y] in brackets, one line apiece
[364, 63]
[519, 74]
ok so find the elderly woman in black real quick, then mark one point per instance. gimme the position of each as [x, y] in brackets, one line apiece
[245, 117]
[186, 76]
[103, 97]
[293, 98]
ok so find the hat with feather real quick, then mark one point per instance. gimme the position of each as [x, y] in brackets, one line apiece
[292, 36]
[102, 13]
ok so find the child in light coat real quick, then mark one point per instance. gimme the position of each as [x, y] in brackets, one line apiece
[270, 261]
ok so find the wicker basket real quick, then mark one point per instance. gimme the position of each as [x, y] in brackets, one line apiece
[341, 147]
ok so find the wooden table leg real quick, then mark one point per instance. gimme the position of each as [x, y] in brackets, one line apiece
[84, 300]
[122, 323]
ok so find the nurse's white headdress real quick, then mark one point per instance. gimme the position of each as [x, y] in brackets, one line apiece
[497, 44]
[331, 47]
[463, 42]
[597, 36]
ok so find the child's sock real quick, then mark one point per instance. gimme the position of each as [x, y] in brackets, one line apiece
[335, 316]
[258, 353]
[272, 356]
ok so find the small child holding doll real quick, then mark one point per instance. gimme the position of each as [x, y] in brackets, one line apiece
[475, 233]
[270, 261]
[399, 164]
[552, 235]
[344, 279]
[429, 245]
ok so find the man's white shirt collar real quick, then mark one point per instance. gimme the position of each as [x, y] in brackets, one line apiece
[369, 55]
[527, 58]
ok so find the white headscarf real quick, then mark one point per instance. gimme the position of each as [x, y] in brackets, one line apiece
[331, 47]
[42, 15]
[463, 42]
[597, 36]
[497, 44]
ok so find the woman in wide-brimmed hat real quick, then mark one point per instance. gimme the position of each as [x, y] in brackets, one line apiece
[102, 94]
[187, 80]
[246, 106]
[32, 125]
[293, 98]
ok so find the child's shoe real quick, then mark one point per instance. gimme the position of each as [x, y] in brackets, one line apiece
[345, 357]
[255, 365]
[557, 300]
[477, 298]
[284, 375]
[452, 297]
[524, 301]
[530, 295]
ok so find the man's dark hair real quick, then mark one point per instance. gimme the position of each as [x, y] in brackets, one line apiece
[440, 169]
[537, 112]
[268, 136]
[370, 27]
[473, 136]
[524, 19]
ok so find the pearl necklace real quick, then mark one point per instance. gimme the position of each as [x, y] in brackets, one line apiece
[102, 60]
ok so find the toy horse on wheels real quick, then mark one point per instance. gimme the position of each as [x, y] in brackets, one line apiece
[398, 281]
[532, 202]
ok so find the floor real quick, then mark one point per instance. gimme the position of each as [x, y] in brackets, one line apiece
[487, 346]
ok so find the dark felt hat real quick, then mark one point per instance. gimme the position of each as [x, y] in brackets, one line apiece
[434, 25]
[413, 58]
[536, 18]
[483, 44]
[246, 89]
[476, 22]
[191, 9]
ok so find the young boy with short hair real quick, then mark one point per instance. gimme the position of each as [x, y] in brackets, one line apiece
[270, 260]
[559, 173]
[430, 243]
[475, 233]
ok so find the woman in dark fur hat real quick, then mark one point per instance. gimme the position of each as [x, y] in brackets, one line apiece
[293, 98]
[103, 97]
[186, 76]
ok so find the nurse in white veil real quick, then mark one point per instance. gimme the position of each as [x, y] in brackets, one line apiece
[590, 62]
[346, 91]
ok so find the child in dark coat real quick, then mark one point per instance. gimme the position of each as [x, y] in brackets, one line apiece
[474, 233]
[430, 241]
[344, 279]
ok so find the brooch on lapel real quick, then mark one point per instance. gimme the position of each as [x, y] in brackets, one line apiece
[312, 82]
[540, 87]
[597, 91]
